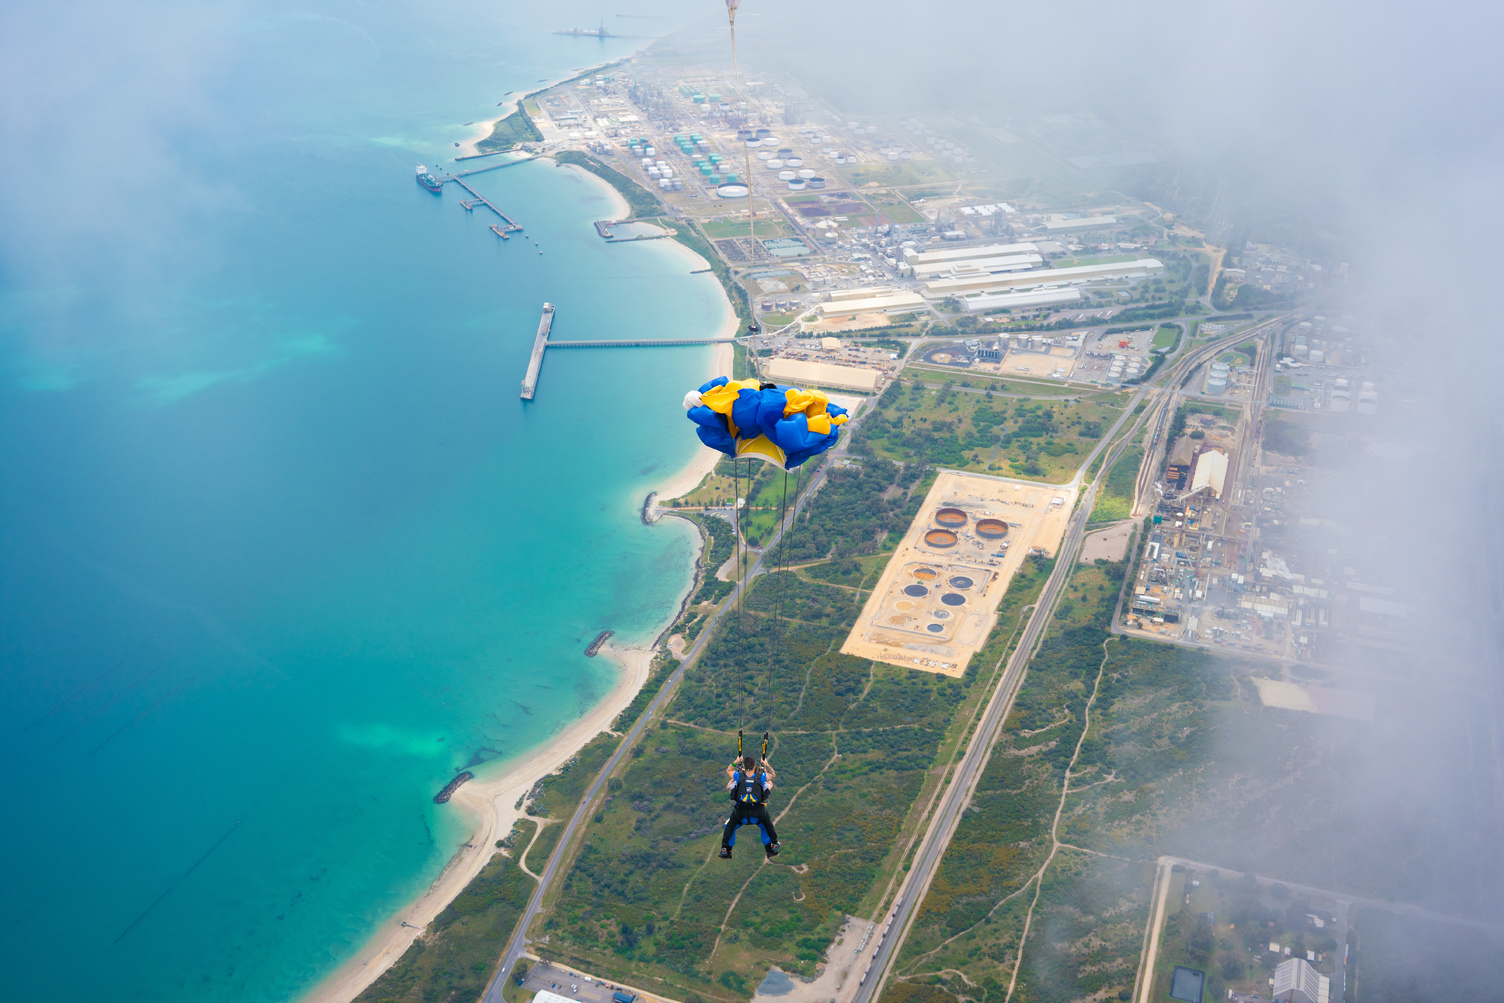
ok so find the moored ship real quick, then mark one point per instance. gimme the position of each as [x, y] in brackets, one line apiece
[428, 181]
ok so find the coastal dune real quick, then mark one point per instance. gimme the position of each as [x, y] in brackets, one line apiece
[491, 801]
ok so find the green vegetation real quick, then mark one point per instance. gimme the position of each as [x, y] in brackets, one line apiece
[916, 172]
[1167, 337]
[859, 746]
[1178, 420]
[1115, 499]
[1080, 880]
[734, 290]
[642, 202]
[1247, 297]
[1287, 438]
[861, 509]
[716, 229]
[507, 132]
[967, 431]
[1108, 259]
[457, 954]
[1224, 926]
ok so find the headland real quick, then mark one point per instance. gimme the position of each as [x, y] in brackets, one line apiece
[493, 798]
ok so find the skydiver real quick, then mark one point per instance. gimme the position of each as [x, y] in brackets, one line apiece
[748, 787]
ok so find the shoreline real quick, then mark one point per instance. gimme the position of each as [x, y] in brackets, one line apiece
[491, 802]
[467, 146]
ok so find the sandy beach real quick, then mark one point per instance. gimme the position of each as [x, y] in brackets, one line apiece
[491, 801]
[482, 131]
[619, 207]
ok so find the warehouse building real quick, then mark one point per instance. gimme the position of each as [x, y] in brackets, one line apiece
[1079, 223]
[1210, 472]
[1023, 299]
[822, 374]
[1298, 981]
[917, 258]
[940, 288]
[850, 302]
[976, 266]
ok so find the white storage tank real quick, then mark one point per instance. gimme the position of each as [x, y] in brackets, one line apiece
[786, 175]
[775, 164]
[797, 185]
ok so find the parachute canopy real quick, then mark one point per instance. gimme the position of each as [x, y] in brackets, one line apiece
[780, 425]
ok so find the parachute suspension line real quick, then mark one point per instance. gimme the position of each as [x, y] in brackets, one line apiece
[783, 504]
[736, 525]
[798, 477]
[731, 6]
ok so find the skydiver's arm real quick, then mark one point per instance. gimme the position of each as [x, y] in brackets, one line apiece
[768, 769]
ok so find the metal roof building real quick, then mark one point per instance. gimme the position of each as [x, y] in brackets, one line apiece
[1298, 981]
[822, 374]
[1081, 223]
[917, 258]
[1210, 472]
[1008, 263]
[849, 302]
[937, 288]
[1015, 300]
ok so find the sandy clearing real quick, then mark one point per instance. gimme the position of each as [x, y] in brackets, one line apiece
[1110, 543]
[491, 802]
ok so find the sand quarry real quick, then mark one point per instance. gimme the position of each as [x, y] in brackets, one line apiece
[937, 599]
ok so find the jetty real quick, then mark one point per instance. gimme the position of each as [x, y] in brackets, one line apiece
[595, 645]
[642, 343]
[453, 785]
[540, 344]
[508, 225]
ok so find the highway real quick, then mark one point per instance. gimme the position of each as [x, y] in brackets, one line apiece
[963, 782]
[964, 779]
[517, 945]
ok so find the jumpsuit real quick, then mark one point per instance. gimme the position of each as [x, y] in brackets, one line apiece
[749, 813]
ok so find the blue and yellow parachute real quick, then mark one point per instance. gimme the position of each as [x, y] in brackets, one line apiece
[783, 426]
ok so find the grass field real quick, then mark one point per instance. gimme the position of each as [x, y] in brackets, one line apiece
[1115, 500]
[856, 746]
[1039, 440]
[914, 172]
[765, 227]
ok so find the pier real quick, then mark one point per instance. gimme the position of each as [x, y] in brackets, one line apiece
[508, 225]
[530, 381]
[642, 343]
[541, 344]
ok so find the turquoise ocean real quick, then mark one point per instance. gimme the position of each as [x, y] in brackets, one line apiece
[281, 550]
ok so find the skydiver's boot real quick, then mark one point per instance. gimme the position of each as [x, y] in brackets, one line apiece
[725, 853]
[771, 850]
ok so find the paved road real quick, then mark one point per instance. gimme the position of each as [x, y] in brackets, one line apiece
[567, 982]
[517, 945]
[965, 777]
[963, 782]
